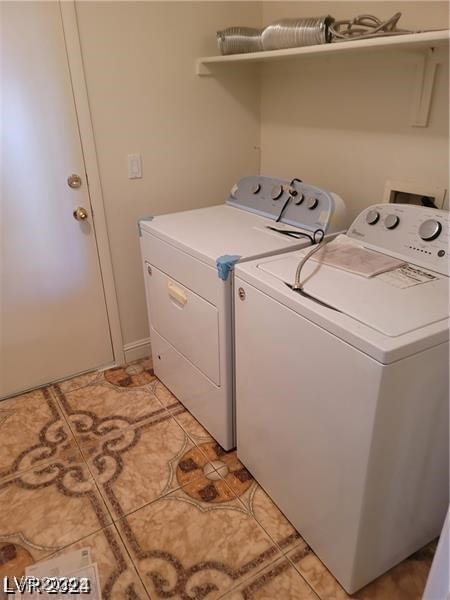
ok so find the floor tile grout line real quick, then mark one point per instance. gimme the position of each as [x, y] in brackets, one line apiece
[44, 462]
[116, 529]
[292, 546]
[277, 556]
[146, 504]
[113, 431]
[98, 379]
[108, 511]
[250, 576]
[283, 554]
[267, 567]
[96, 532]
[124, 542]
[192, 438]
[310, 585]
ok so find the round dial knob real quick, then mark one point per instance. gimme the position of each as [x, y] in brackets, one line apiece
[312, 203]
[299, 200]
[234, 190]
[372, 217]
[256, 188]
[429, 230]
[391, 221]
[277, 192]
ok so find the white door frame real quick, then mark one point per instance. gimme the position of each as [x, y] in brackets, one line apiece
[81, 100]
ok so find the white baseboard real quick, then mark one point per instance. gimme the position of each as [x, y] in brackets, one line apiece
[137, 350]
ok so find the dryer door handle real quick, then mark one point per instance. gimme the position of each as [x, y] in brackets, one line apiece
[176, 294]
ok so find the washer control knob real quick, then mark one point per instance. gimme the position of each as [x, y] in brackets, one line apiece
[372, 217]
[256, 188]
[312, 203]
[299, 200]
[391, 221]
[430, 230]
[234, 190]
[277, 192]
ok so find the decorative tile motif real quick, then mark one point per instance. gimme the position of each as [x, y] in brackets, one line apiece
[271, 518]
[278, 581]
[235, 474]
[315, 573]
[14, 559]
[33, 432]
[117, 574]
[164, 395]
[133, 375]
[99, 409]
[185, 548]
[219, 478]
[135, 466]
[45, 509]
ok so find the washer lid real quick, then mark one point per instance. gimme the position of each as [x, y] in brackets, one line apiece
[393, 303]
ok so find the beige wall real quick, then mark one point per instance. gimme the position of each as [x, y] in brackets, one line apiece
[197, 136]
[343, 122]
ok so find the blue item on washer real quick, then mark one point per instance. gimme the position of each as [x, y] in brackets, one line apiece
[225, 263]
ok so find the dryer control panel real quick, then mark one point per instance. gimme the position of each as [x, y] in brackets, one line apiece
[290, 202]
[416, 234]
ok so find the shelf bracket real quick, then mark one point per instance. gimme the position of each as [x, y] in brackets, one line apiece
[203, 69]
[426, 73]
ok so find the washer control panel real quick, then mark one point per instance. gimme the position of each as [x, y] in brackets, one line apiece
[291, 203]
[416, 234]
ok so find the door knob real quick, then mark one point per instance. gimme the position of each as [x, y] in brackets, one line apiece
[80, 214]
[74, 181]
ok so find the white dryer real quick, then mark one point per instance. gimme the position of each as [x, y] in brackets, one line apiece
[342, 395]
[188, 257]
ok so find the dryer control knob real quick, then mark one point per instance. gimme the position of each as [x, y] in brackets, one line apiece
[277, 192]
[372, 217]
[234, 190]
[256, 188]
[391, 221]
[430, 230]
[299, 200]
[312, 203]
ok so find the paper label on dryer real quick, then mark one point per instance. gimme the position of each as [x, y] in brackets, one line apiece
[406, 276]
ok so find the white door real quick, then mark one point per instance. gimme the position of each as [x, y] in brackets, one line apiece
[53, 313]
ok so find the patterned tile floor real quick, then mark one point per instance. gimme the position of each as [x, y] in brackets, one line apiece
[113, 461]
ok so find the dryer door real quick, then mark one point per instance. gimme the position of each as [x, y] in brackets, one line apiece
[186, 320]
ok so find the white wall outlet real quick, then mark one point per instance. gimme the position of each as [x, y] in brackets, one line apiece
[412, 192]
[134, 166]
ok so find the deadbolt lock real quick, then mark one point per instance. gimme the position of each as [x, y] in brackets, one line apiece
[241, 293]
[74, 181]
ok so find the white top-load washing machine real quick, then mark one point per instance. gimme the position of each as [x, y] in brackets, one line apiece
[187, 260]
[342, 394]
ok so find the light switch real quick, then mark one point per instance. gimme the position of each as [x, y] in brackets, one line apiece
[134, 166]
